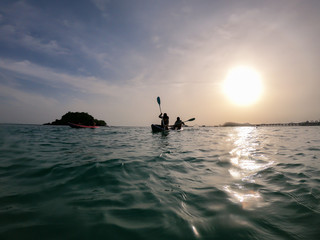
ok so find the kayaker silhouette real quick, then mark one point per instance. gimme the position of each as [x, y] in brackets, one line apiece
[178, 124]
[164, 121]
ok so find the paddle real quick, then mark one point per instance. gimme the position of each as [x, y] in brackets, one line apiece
[158, 100]
[191, 119]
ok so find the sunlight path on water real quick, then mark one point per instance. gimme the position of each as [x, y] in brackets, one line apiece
[246, 163]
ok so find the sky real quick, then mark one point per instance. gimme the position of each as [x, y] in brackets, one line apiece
[113, 58]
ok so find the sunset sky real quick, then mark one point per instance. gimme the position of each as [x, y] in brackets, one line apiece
[113, 58]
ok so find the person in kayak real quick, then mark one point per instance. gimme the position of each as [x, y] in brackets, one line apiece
[178, 124]
[164, 121]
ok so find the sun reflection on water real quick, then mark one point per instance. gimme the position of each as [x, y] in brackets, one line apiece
[246, 163]
[248, 199]
[195, 231]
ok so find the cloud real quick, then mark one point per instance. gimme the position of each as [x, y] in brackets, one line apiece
[36, 44]
[22, 97]
[100, 57]
[25, 26]
[156, 41]
[58, 79]
[13, 35]
[19, 106]
[102, 6]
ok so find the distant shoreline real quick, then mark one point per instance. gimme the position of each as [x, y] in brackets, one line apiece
[307, 123]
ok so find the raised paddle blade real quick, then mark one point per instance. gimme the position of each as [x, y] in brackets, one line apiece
[158, 100]
[191, 119]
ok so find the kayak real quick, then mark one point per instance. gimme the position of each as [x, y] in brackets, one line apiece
[158, 128]
[176, 128]
[73, 125]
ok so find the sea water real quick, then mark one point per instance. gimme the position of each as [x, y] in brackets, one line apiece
[128, 183]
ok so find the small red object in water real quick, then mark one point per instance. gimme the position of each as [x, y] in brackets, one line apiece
[73, 125]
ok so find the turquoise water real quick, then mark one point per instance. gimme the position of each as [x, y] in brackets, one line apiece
[127, 183]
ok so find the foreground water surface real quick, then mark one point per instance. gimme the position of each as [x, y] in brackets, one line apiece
[127, 183]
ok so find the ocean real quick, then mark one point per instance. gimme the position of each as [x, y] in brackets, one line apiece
[128, 183]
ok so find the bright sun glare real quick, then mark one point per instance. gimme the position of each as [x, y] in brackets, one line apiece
[243, 85]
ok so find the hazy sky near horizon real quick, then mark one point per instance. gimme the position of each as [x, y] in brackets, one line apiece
[112, 58]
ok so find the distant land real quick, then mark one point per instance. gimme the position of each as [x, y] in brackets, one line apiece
[78, 118]
[306, 123]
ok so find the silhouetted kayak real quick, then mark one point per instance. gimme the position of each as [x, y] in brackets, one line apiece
[158, 128]
[73, 125]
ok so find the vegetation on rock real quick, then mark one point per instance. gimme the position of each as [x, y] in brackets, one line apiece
[78, 118]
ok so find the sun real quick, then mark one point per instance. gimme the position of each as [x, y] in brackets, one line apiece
[243, 85]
